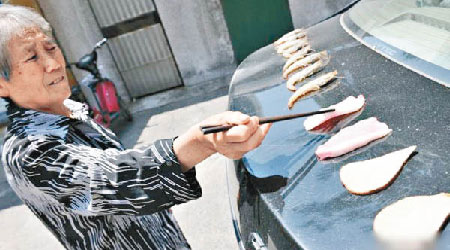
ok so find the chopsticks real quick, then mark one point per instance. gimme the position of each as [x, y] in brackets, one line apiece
[220, 128]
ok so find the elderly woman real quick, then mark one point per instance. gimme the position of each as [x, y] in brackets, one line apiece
[74, 174]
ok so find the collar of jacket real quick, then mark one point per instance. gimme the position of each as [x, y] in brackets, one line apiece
[32, 122]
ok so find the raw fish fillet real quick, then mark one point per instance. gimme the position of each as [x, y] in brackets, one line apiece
[326, 122]
[413, 222]
[370, 176]
[353, 137]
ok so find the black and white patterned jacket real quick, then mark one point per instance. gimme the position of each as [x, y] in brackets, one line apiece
[87, 189]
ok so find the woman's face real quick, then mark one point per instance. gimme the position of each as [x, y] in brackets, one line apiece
[38, 77]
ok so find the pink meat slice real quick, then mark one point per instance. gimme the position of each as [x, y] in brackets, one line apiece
[353, 137]
[328, 121]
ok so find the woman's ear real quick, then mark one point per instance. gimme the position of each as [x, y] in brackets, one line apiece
[4, 90]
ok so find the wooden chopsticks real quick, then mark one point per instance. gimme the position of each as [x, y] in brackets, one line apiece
[220, 128]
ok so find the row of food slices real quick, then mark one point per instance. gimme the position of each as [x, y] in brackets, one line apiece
[413, 220]
[364, 177]
[294, 45]
[302, 62]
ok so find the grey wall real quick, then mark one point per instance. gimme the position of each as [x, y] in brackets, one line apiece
[77, 32]
[199, 38]
[196, 31]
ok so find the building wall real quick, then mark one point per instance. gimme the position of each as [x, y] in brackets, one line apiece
[77, 32]
[199, 38]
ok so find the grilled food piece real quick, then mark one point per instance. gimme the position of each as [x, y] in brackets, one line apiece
[323, 55]
[293, 35]
[353, 137]
[310, 87]
[303, 74]
[287, 46]
[413, 222]
[289, 52]
[297, 56]
[370, 176]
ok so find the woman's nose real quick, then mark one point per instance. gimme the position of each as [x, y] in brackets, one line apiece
[51, 64]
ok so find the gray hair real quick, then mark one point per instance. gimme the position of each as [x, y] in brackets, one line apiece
[13, 21]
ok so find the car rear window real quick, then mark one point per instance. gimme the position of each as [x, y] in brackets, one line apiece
[414, 33]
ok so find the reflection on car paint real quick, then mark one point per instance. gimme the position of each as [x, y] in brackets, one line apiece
[299, 175]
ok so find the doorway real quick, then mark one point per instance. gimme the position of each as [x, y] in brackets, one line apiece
[253, 24]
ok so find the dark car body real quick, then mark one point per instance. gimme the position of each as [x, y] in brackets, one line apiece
[287, 197]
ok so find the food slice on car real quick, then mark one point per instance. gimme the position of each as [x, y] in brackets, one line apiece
[323, 55]
[285, 45]
[310, 87]
[304, 73]
[328, 121]
[292, 45]
[353, 137]
[370, 176]
[297, 56]
[413, 221]
[289, 52]
[295, 34]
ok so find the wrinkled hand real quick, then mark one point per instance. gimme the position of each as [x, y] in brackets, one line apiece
[238, 140]
[193, 146]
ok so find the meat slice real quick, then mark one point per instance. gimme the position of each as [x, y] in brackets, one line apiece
[353, 137]
[328, 121]
[413, 222]
[370, 176]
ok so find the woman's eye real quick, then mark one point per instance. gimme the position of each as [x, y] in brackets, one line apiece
[52, 48]
[34, 57]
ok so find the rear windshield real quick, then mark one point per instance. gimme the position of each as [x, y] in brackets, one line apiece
[414, 33]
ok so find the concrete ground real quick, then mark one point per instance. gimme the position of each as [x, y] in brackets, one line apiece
[206, 222]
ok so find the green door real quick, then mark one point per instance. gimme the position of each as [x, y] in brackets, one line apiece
[252, 24]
